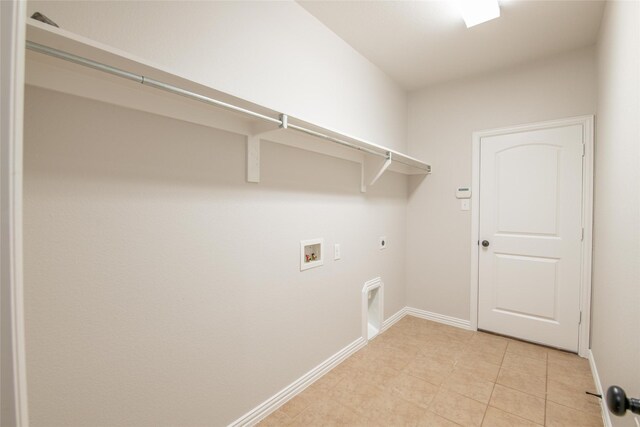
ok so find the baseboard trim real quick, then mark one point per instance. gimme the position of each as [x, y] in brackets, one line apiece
[261, 411]
[389, 322]
[440, 318]
[606, 417]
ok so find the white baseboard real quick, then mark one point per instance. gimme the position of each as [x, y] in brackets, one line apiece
[393, 319]
[261, 411]
[440, 318]
[606, 416]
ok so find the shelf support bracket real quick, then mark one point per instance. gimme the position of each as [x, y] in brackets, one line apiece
[253, 158]
[384, 167]
[284, 121]
[253, 147]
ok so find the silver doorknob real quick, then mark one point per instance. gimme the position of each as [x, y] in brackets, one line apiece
[485, 243]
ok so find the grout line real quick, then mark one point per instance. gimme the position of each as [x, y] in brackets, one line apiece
[546, 390]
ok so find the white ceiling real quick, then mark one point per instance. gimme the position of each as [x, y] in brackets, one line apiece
[418, 43]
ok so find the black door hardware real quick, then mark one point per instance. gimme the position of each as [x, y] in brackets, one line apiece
[618, 403]
[485, 243]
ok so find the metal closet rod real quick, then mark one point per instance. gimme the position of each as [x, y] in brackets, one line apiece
[281, 122]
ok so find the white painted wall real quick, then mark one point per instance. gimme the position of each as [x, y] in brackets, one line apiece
[272, 53]
[441, 121]
[162, 289]
[616, 256]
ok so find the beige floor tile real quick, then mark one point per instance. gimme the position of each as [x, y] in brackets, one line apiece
[480, 355]
[380, 375]
[408, 346]
[423, 373]
[573, 397]
[569, 369]
[392, 357]
[484, 370]
[491, 340]
[454, 334]
[470, 386]
[429, 419]
[295, 406]
[440, 352]
[483, 353]
[414, 389]
[530, 384]
[457, 408]
[356, 392]
[495, 417]
[344, 369]
[571, 378]
[329, 413]
[525, 364]
[390, 410]
[277, 419]
[334, 376]
[518, 403]
[431, 369]
[558, 356]
[526, 349]
[562, 416]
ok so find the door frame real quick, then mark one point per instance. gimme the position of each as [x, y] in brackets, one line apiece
[587, 123]
[14, 383]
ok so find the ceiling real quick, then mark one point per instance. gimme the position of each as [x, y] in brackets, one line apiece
[418, 43]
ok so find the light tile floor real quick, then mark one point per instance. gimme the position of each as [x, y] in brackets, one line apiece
[421, 373]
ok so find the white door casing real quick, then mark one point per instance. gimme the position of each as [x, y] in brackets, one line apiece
[532, 282]
[13, 368]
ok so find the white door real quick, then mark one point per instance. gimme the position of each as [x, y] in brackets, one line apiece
[531, 235]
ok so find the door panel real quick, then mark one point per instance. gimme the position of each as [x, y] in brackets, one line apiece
[531, 213]
[538, 193]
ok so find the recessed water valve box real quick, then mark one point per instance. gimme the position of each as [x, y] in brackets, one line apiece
[311, 252]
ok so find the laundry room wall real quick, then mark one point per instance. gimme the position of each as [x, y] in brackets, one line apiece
[160, 287]
[442, 119]
[163, 289]
[616, 230]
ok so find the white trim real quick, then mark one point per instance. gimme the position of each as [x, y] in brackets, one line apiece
[606, 417]
[263, 410]
[370, 285]
[587, 217]
[392, 320]
[269, 406]
[584, 343]
[12, 37]
[440, 318]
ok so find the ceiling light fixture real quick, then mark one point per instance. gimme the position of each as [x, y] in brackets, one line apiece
[476, 12]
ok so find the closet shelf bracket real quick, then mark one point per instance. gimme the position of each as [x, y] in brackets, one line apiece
[253, 152]
[284, 121]
[383, 168]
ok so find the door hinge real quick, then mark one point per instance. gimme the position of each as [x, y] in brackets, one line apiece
[582, 236]
[580, 320]
[584, 149]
